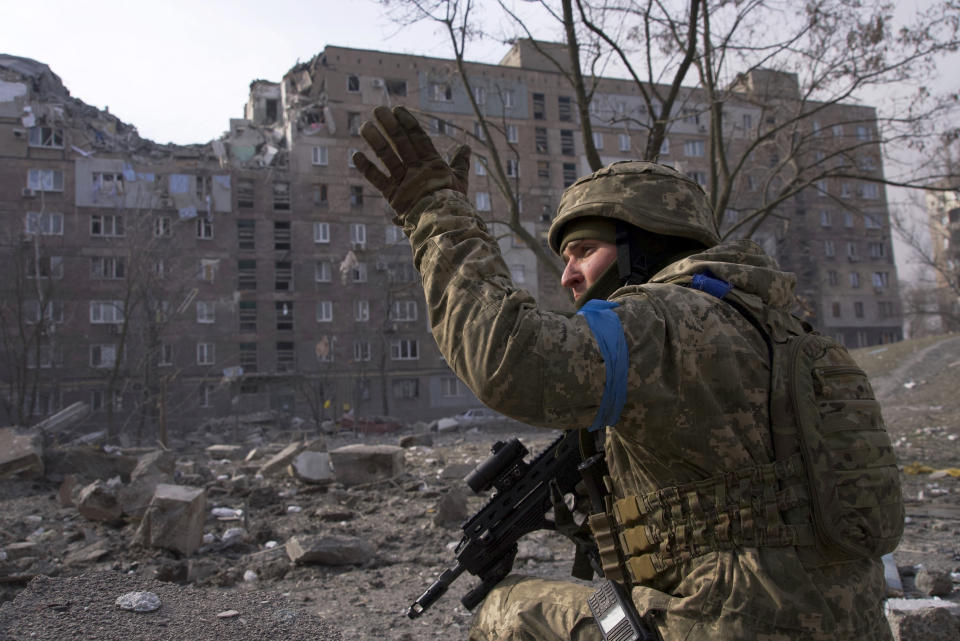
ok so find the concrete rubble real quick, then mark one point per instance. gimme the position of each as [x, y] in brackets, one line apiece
[329, 550]
[360, 464]
[21, 453]
[174, 519]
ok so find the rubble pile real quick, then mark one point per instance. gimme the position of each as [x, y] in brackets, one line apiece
[353, 528]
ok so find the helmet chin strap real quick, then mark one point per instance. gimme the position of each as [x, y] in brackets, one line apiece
[632, 265]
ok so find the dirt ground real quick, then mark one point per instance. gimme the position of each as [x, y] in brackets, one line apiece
[917, 382]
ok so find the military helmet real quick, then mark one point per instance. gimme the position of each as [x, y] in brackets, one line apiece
[653, 197]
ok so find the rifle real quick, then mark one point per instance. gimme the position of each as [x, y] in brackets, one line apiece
[525, 493]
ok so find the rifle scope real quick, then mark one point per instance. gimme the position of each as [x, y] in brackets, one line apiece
[500, 469]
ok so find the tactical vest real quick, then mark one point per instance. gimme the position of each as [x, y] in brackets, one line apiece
[832, 491]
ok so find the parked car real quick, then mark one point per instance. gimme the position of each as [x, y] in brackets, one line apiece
[479, 416]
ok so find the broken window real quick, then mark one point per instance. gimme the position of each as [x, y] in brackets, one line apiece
[539, 107]
[281, 235]
[442, 92]
[206, 311]
[353, 123]
[245, 192]
[543, 171]
[248, 357]
[569, 174]
[247, 316]
[360, 273]
[204, 228]
[246, 274]
[106, 182]
[404, 310]
[322, 271]
[405, 349]
[396, 87]
[246, 234]
[361, 311]
[286, 361]
[103, 355]
[46, 137]
[281, 196]
[320, 195]
[406, 388]
[356, 196]
[204, 187]
[106, 312]
[324, 311]
[540, 140]
[361, 350]
[353, 83]
[163, 227]
[45, 180]
[358, 235]
[106, 225]
[107, 267]
[513, 168]
[566, 142]
[44, 223]
[565, 112]
[52, 311]
[206, 353]
[283, 311]
[283, 276]
[272, 110]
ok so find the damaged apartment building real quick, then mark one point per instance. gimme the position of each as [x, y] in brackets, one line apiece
[167, 284]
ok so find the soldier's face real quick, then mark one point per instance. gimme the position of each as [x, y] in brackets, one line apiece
[586, 260]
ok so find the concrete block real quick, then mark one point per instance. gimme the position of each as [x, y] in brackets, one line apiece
[158, 463]
[21, 454]
[452, 509]
[933, 583]
[313, 467]
[329, 550]
[279, 462]
[230, 452]
[923, 619]
[174, 519]
[424, 439]
[98, 502]
[65, 418]
[359, 464]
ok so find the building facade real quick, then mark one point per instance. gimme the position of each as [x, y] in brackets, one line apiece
[168, 284]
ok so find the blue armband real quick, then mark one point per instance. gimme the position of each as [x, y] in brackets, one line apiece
[608, 330]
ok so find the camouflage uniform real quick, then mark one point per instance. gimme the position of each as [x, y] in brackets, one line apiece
[697, 407]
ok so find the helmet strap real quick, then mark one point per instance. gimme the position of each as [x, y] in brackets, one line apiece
[632, 263]
[641, 254]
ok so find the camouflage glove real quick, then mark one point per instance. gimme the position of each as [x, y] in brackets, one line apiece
[416, 169]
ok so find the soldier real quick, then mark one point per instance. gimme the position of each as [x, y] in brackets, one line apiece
[723, 526]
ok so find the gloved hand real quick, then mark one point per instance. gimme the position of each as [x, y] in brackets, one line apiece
[416, 169]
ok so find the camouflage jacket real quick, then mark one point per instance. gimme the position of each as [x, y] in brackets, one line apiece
[697, 406]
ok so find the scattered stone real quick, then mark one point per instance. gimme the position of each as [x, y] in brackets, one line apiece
[138, 602]
[360, 464]
[88, 463]
[416, 440]
[456, 471]
[252, 454]
[278, 462]
[157, 463]
[335, 515]
[174, 519]
[294, 509]
[313, 467]
[227, 513]
[63, 419]
[65, 492]
[249, 576]
[933, 583]
[329, 550]
[20, 550]
[229, 452]
[452, 509]
[923, 619]
[233, 536]
[21, 454]
[98, 502]
[87, 553]
[227, 614]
